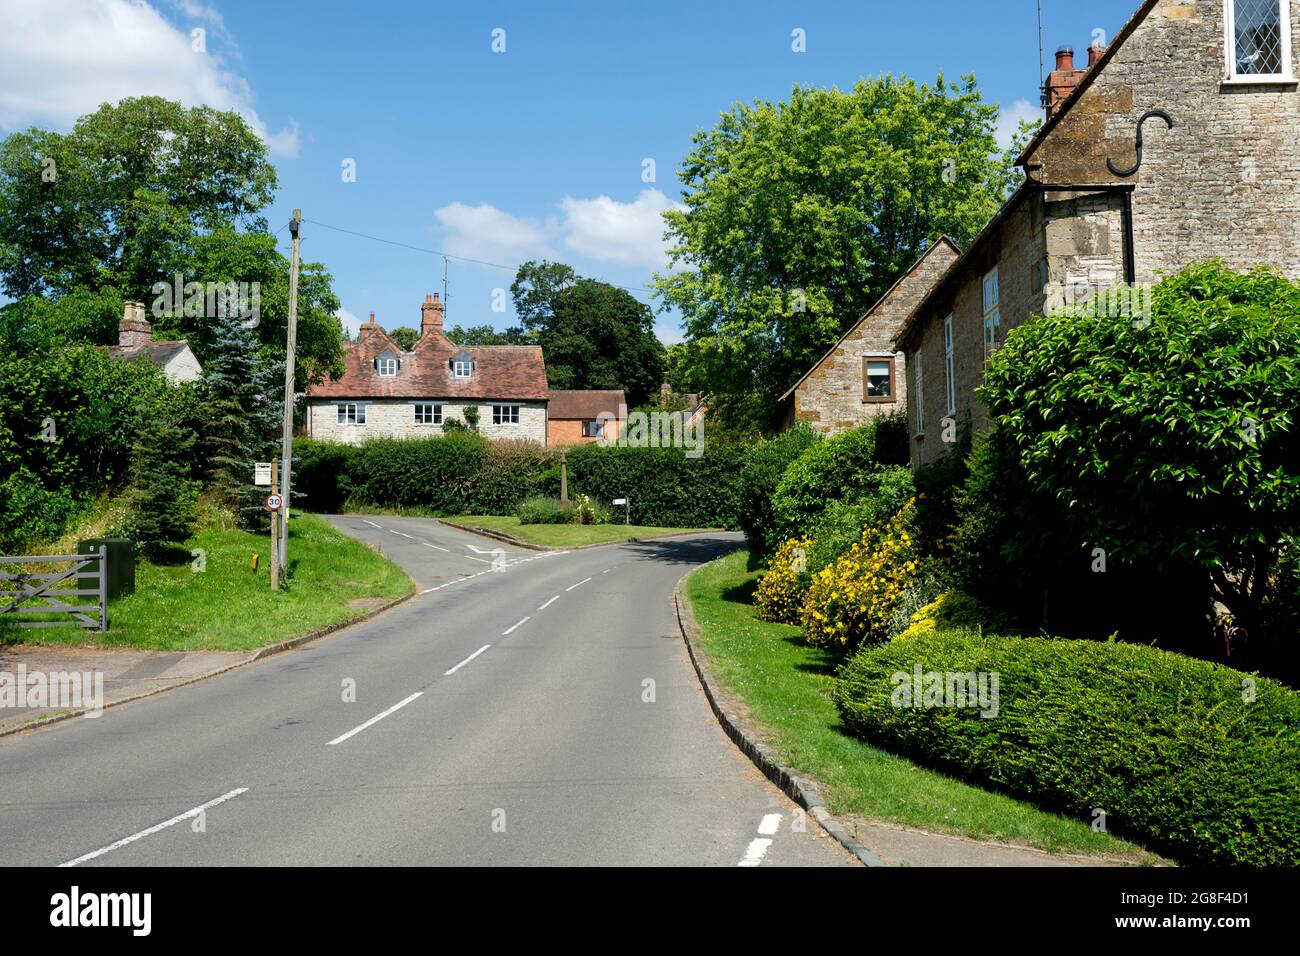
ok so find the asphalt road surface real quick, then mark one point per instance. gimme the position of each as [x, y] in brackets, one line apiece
[525, 708]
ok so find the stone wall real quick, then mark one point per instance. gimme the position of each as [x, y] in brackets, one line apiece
[395, 418]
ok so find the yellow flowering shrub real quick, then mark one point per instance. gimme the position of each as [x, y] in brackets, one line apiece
[781, 590]
[851, 602]
[955, 610]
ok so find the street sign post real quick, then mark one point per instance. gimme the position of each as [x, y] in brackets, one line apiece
[624, 501]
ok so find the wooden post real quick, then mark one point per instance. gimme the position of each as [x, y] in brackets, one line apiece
[564, 479]
[103, 587]
[286, 439]
[275, 533]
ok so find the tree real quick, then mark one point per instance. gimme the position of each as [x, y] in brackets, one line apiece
[594, 335]
[487, 335]
[115, 201]
[800, 215]
[162, 495]
[1168, 438]
[404, 337]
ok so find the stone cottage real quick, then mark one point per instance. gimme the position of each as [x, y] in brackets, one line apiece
[386, 391]
[1175, 143]
[862, 375]
[135, 341]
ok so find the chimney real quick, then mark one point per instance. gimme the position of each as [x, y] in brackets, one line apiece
[431, 314]
[1063, 79]
[1095, 53]
[134, 330]
[368, 326]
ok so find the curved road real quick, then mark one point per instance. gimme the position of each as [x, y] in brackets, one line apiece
[544, 712]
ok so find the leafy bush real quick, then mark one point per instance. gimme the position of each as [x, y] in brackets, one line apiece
[511, 472]
[586, 510]
[837, 468]
[841, 524]
[322, 475]
[1188, 756]
[852, 601]
[30, 512]
[162, 495]
[436, 473]
[764, 465]
[780, 594]
[953, 610]
[542, 511]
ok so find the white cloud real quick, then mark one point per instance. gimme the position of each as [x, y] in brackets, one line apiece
[612, 231]
[1009, 120]
[601, 229]
[60, 59]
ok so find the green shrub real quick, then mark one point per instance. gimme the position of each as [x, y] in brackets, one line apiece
[542, 511]
[840, 526]
[666, 488]
[781, 590]
[511, 472]
[586, 510]
[162, 495]
[836, 469]
[435, 473]
[30, 512]
[1190, 757]
[765, 463]
[322, 478]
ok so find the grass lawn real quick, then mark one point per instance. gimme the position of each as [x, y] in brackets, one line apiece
[228, 607]
[787, 685]
[560, 535]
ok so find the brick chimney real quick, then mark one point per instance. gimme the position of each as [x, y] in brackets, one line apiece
[431, 314]
[134, 329]
[1095, 52]
[1062, 80]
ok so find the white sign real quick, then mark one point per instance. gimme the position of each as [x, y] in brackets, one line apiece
[262, 473]
[620, 501]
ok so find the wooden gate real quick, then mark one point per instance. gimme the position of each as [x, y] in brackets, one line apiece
[19, 590]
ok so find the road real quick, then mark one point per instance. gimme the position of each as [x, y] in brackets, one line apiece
[541, 713]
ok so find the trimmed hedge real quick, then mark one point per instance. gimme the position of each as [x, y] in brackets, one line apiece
[1168, 746]
[667, 489]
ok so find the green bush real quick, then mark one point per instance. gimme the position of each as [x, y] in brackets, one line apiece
[30, 512]
[765, 463]
[435, 473]
[322, 478]
[840, 526]
[542, 511]
[666, 488]
[1188, 756]
[512, 471]
[162, 495]
[835, 469]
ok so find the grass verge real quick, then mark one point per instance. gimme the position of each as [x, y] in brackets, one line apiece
[787, 687]
[560, 535]
[229, 607]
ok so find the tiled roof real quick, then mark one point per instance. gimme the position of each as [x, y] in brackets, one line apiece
[160, 353]
[515, 372]
[584, 405]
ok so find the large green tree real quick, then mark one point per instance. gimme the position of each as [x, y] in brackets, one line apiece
[594, 335]
[800, 215]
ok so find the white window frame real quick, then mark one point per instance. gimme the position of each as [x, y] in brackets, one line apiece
[435, 413]
[351, 414]
[919, 388]
[992, 311]
[598, 430]
[458, 366]
[386, 366]
[948, 369]
[1230, 47]
[505, 415]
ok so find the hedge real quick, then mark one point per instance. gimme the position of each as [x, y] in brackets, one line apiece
[1172, 749]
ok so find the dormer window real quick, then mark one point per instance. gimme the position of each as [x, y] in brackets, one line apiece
[386, 365]
[462, 369]
[462, 364]
[1257, 40]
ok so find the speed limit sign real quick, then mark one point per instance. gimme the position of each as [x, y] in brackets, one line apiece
[273, 502]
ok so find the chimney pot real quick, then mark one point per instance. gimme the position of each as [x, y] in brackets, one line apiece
[1095, 53]
[134, 329]
[431, 315]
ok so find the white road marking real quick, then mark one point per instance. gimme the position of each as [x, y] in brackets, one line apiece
[466, 660]
[481, 551]
[402, 533]
[771, 823]
[549, 603]
[512, 627]
[428, 545]
[472, 558]
[578, 585]
[607, 570]
[373, 525]
[755, 852]
[375, 719]
[157, 827]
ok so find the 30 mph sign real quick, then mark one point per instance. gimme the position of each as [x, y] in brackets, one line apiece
[273, 502]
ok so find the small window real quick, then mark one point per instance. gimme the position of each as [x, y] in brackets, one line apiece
[992, 314]
[948, 366]
[1258, 39]
[386, 366]
[878, 379]
[462, 369]
[427, 413]
[505, 414]
[919, 398]
[592, 428]
[351, 413]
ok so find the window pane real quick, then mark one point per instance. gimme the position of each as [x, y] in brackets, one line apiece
[1259, 37]
[878, 379]
[991, 290]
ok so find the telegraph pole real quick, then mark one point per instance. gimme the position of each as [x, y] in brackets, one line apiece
[286, 438]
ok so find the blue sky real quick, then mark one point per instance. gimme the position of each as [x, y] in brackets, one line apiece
[501, 156]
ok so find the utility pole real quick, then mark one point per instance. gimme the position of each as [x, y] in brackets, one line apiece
[275, 534]
[286, 438]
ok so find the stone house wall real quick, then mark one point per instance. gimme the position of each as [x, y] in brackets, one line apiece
[395, 418]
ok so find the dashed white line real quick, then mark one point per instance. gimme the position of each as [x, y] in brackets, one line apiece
[549, 603]
[466, 660]
[472, 558]
[373, 525]
[771, 823]
[578, 585]
[755, 852]
[428, 545]
[402, 533]
[375, 719]
[512, 627]
[607, 570]
[157, 827]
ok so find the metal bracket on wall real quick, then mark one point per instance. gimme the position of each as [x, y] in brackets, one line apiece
[1157, 114]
